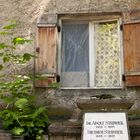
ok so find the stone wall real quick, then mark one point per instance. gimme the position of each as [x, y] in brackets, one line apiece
[28, 11]
[73, 130]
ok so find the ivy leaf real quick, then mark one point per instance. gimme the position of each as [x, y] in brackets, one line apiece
[24, 58]
[27, 56]
[20, 40]
[18, 131]
[5, 33]
[38, 111]
[1, 67]
[6, 59]
[1, 54]
[21, 103]
[2, 46]
[11, 26]
[6, 99]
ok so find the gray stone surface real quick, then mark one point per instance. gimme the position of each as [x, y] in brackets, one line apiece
[27, 13]
[75, 129]
[136, 138]
[93, 104]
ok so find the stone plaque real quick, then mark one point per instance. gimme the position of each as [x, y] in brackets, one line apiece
[105, 126]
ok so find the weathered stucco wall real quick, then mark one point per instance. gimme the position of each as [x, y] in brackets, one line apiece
[27, 12]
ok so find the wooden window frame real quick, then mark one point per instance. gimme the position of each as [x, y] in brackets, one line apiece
[92, 50]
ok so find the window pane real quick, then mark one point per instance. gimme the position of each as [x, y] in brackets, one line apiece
[107, 73]
[75, 48]
[75, 54]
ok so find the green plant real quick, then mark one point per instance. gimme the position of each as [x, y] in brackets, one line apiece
[19, 113]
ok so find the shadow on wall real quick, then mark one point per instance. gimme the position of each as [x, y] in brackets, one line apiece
[26, 13]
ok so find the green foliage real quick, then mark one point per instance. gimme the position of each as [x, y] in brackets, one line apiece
[11, 26]
[1, 67]
[19, 113]
[18, 131]
[5, 33]
[21, 41]
[3, 46]
[21, 103]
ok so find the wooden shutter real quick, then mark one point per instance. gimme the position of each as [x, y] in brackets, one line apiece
[131, 32]
[46, 56]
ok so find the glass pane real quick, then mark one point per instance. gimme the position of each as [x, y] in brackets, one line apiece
[75, 47]
[75, 54]
[107, 73]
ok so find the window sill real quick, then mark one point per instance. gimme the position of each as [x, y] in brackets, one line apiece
[86, 88]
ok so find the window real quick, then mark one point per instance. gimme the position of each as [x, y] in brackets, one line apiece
[91, 54]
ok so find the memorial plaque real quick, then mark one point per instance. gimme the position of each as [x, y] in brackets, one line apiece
[105, 126]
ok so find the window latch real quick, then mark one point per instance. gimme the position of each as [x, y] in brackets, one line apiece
[123, 77]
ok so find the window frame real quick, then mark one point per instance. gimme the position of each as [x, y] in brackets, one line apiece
[92, 20]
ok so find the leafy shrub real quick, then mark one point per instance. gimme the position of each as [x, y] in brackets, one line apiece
[19, 113]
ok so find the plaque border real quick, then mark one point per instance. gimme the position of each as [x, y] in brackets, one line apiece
[126, 117]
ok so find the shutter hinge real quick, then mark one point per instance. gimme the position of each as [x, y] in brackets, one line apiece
[123, 77]
[121, 27]
[37, 49]
[58, 28]
[58, 78]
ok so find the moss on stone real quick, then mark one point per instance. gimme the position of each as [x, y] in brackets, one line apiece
[134, 115]
[59, 113]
